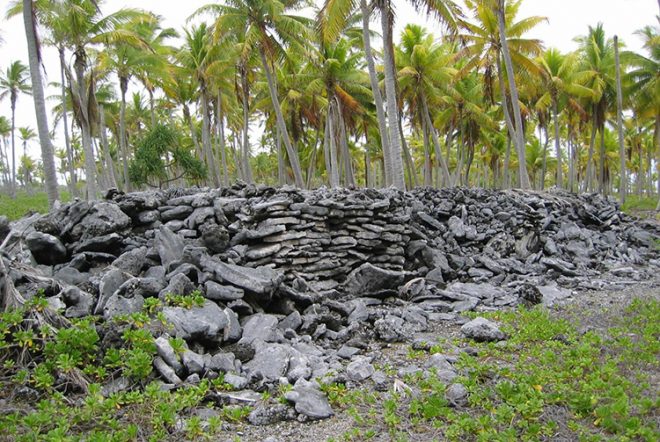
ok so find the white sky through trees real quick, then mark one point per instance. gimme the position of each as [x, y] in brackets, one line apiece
[567, 19]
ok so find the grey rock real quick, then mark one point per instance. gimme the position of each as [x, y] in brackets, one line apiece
[110, 282]
[45, 248]
[233, 330]
[169, 246]
[359, 370]
[145, 287]
[260, 280]
[270, 360]
[221, 362]
[309, 400]
[371, 280]
[166, 371]
[193, 362]
[167, 353]
[215, 238]
[71, 275]
[260, 326]
[293, 321]
[79, 303]
[179, 213]
[110, 243]
[390, 329]
[457, 395]
[347, 352]
[237, 382]
[482, 330]
[446, 376]
[269, 414]
[553, 294]
[438, 362]
[120, 305]
[103, 218]
[206, 322]
[132, 261]
[179, 284]
[219, 292]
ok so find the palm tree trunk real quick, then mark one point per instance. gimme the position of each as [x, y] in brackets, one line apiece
[601, 162]
[326, 145]
[378, 99]
[293, 155]
[281, 173]
[515, 104]
[47, 155]
[106, 149]
[191, 128]
[544, 166]
[123, 86]
[247, 169]
[348, 166]
[555, 118]
[206, 139]
[13, 148]
[398, 180]
[590, 156]
[333, 172]
[619, 123]
[436, 143]
[83, 99]
[507, 163]
[221, 141]
[428, 175]
[151, 108]
[73, 190]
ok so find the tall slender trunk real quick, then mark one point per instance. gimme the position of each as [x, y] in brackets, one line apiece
[73, 190]
[378, 99]
[590, 155]
[619, 123]
[398, 180]
[407, 157]
[187, 117]
[436, 143]
[123, 86]
[83, 96]
[555, 118]
[110, 167]
[291, 152]
[515, 104]
[348, 166]
[151, 107]
[206, 138]
[13, 146]
[333, 172]
[47, 155]
[245, 151]
[507, 163]
[281, 172]
[601, 162]
[545, 156]
[326, 145]
[221, 140]
[428, 175]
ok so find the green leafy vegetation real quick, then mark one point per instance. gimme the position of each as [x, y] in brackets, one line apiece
[26, 203]
[597, 383]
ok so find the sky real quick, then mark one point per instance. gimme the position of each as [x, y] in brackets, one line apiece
[566, 19]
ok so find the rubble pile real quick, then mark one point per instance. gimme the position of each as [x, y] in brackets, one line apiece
[295, 284]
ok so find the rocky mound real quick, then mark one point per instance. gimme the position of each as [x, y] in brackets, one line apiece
[289, 285]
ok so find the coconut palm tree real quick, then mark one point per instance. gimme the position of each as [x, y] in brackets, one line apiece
[13, 83]
[84, 26]
[597, 72]
[496, 37]
[644, 80]
[558, 82]
[5, 132]
[26, 134]
[266, 27]
[125, 59]
[424, 72]
[337, 12]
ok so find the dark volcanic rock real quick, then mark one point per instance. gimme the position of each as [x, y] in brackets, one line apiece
[46, 248]
[369, 280]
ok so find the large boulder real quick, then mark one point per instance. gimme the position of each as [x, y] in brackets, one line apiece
[46, 249]
[205, 322]
[369, 280]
